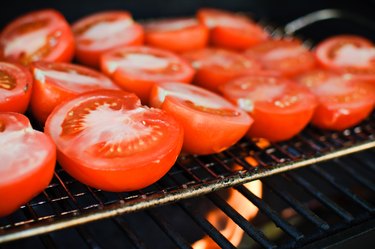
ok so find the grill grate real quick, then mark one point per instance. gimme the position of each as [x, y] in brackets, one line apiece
[67, 202]
[344, 210]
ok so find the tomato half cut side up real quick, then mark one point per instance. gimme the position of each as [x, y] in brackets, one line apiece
[280, 108]
[287, 56]
[211, 123]
[107, 140]
[136, 69]
[230, 30]
[176, 34]
[39, 35]
[55, 83]
[343, 101]
[15, 87]
[215, 67]
[28, 160]
[104, 31]
[348, 54]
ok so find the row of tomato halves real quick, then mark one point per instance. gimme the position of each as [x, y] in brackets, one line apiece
[123, 128]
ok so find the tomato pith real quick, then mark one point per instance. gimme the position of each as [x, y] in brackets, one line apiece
[107, 140]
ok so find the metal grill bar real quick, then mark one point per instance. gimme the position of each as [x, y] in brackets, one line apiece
[321, 197]
[208, 228]
[298, 206]
[48, 242]
[88, 238]
[241, 221]
[360, 178]
[137, 242]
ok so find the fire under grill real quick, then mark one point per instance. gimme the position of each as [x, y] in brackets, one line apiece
[305, 213]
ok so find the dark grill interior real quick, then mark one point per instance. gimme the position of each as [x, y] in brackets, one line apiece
[311, 206]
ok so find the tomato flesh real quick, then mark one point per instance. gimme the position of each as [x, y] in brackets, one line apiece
[46, 33]
[211, 124]
[218, 66]
[107, 140]
[230, 30]
[343, 101]
[280, 108]
[137, 69]
[287, 56]
[348, 54]
[102, 32]
[56, 82]
[28, 160]
[15, 87]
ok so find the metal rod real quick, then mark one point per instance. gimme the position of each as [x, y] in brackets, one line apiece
[88, 238]
[48, 242]
[137, 242]
[357, 176]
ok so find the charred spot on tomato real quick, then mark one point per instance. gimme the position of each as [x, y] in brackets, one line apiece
[2, 125]
[31, 26]
[7, 81]
[74, 119]
[215, 111]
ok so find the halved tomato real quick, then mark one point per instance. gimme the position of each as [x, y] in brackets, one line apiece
[28, 160]
[349, 54]
[280, 107]
[104, 31]
[211, 123]
[343, 101]
[288, 56]
[39, 35]
[230, 30]
[217, 66]
[177, 35]
[136, 69]
[107, 140]
[57, 82]
[15, 87]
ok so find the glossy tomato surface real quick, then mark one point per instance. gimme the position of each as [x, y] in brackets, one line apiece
[136, 69]
[176, 34]
[280, 108]
[27, 161]
[343, 101]
[231, 30]
[211, 123]
[15, 87]
[39, 35]
[107, 140]
[348, 54]
[55, 83]
[288, 57]
[215, 67]
[103, 31]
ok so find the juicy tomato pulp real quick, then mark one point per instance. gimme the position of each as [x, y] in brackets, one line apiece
[56, 82]
[178, 35]
[39, 35]
[107, 140]
[101, 32]
[343, 101]
[288, 57]
[15, 87]
[27, 161]
[230, 30]
[348, 54]
[211, 123]
[217, 66]
[137, 69]
[280, 108]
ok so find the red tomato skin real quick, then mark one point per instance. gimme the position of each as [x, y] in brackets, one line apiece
[91, 58]
[201, 135]
[46, 96]
[330, 119]
[18, 103]
[179, 41]
[122, 180]
[127, 178]
[18, 192]
[64, 52]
